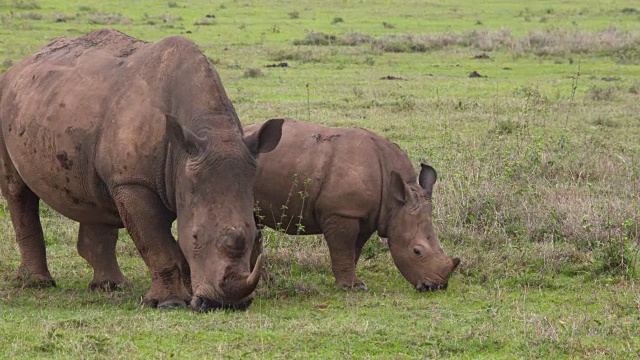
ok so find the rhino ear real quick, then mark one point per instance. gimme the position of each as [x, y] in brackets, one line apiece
[427, 178]
[400, 190]
[183, 138]
[266, 138]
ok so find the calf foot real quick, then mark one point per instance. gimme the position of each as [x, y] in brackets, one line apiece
[353, 285]
[361, 287]
[357, 287]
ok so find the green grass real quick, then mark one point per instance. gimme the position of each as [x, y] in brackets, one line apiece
[538, 164]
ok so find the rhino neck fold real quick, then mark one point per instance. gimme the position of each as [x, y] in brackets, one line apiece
[167, 189]
[391, 158]
[385, 211]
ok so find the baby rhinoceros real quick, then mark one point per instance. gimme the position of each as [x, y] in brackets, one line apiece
[354, 183]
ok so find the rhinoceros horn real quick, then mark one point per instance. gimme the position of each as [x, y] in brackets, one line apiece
[252, 280]
[242, 289]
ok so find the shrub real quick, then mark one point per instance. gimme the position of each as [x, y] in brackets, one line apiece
[253, 73]
[598, 93]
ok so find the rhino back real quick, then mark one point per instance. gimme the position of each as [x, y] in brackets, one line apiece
[341, 168]
[85, 114]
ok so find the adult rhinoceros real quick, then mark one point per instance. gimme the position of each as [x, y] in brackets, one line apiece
[359, 183]
[115, 132]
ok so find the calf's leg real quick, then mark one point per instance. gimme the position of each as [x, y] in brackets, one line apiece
[341, 234]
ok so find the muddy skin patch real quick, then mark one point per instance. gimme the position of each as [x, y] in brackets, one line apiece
[64, 160]
[319, 138]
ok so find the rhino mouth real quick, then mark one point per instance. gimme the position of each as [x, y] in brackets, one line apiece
[427, 286]
[202, 304]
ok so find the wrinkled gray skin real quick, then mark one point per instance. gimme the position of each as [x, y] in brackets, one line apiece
[115, 132]
[357, 183]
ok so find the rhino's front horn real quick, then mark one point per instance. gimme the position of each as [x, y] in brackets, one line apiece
[254, 278]
[240, 289]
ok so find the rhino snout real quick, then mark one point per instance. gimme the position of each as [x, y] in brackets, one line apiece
[204, 304]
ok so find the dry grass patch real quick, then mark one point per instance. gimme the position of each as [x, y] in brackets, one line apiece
[25, 5]
[554, 42]
[295, 54]
[101, 18]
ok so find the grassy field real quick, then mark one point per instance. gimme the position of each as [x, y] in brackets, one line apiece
[538, 191]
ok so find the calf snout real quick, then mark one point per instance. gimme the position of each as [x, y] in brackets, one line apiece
[431, 287]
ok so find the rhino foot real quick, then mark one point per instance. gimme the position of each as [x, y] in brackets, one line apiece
[172, 304]
[35, 281]
[166, 300]
[168, 303]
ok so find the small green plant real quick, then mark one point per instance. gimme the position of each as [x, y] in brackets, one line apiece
[206, 21]
[358, 92]
[598, 93]
[303, 197]
[337, 20]
[369, 60]
[253, 73]
[108, 19]
[550, 229]
[85, 8]
[604, 122]
[316, 38]
[25, 5]
[30, 16]
[618, 256]
[505, 127]
[404, 102]
[294, 14]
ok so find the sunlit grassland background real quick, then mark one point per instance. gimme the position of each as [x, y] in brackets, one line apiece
[538, 164]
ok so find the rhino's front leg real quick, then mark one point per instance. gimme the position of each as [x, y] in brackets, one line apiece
[341, 234]
[97, 245]
[149, 224]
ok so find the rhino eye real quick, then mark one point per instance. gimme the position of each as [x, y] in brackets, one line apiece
[417, 251]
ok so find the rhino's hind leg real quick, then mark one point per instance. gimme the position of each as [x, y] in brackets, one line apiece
[341, 234]
[97, 245]
[24, 207]
[149, 225]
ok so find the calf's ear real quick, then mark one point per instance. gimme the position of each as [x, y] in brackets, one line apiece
[400, 190]
[266, 138]
[427, 178]
[183, 138]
